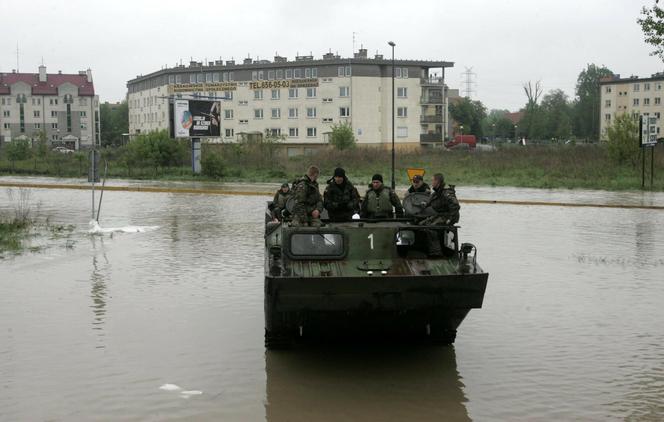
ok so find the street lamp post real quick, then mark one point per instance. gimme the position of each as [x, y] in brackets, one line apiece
[461, 129]
[392, 44]
[493, 125]
[515, 133]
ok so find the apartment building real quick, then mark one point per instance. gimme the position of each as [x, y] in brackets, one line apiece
[301, 99]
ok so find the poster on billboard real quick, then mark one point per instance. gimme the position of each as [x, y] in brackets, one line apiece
[195, 118]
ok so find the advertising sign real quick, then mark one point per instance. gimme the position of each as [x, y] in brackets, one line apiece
[648, 126]
[193, 118]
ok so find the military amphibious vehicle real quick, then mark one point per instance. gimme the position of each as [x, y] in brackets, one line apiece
[368, 277]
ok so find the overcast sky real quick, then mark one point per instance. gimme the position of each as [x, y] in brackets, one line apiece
[505, 42]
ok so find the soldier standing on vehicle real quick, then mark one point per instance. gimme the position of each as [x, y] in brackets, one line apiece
[419, 185]
[443, 200]
[341, 199]
[279, 201]
[308, 200]
[379, 200]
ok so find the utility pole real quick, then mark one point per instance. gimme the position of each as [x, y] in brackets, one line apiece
[469, 82]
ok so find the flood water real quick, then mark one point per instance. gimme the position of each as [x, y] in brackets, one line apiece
[92, 326]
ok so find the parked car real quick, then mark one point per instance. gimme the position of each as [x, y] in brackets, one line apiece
[63, 150]
[464, 141]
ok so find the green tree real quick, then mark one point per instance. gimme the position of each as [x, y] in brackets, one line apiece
[556, 112]
[156, 150]
[652, 25]
[470, 114]
[587, 108]
[497, 125]
[342, 136]
[114, 121]
[623, 139]
[17, 151]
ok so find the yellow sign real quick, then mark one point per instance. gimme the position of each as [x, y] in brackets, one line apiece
[203, 87]
[414, 172]
[284, 83]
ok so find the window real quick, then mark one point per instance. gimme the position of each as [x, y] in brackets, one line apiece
[317, 244]
[37, 125]
[228, 95]
[200, 78]
[292, 113]
[254, 75]
[344, 91]
[636, 87]
[84, 126]
[397, 72]
[314, 72]
[646, 86]
[229, 133]
[215, 77]
[270, 75]
[82, 113]
[340, 72]
[307, 72]
[635, 102]
[402, 132]
[292, 92]
[607, 117]
[658, 100]
[228, 114]
[311, 92]
[5, 125]
[261, 75]
[280, 73]
[657, 115]
[54, 125]
[344, 112]
[607, 89]
[658, 86]
[276, 94]
[231, 76]
[258, 113]
[244, 102]
[402, 92]
[243, 121]
[289, 73]
[297, 73]
[311, 112]
[276, 113]
[327, 120]
[607, 103]
[208, 77]
[327, 100]
[347, 70]
[646, 101]
[5, 113]
[311, 132]
[402, 111]
[35, 113]
[293, 132]
[178, 79]
[258, 94]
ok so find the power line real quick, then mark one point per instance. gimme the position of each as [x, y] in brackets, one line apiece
[469, 82]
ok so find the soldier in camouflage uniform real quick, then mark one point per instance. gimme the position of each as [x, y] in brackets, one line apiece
[341, 199]
[279, 201]
[379, 200]
[443, 200]
[308, 200]
[419, 185]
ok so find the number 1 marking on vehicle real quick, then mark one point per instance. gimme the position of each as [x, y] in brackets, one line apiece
[370, 237]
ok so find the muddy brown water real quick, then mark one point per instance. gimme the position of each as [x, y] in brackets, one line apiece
[92, 326]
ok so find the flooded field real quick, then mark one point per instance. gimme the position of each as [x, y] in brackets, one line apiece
[96, 327]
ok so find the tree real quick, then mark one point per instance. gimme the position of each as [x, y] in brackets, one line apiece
[556, 113]
[342, 136]
[587, 106]
[652, 25]
[155, 149]
[114, 121]
[469, 114]
[623, 139]
[496, 124]
[531, 123]
[17, 151]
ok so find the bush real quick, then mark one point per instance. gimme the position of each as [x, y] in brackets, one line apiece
[342, 136]
[623, 140]
[212, 165]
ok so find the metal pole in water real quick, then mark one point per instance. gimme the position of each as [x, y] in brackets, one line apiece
[94, 170]
[101, 195]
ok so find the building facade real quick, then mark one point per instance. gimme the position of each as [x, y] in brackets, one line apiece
[61, 107]
[633, 95]
[301, 99]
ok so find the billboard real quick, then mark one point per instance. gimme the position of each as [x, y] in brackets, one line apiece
[194, 118]
[648, 133]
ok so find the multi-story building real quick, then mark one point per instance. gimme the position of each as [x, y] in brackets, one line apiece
[61, 107]
[302, 99]
[633, 95]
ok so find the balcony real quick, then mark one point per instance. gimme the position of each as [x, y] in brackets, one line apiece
[431, 100]
[432, 80]
[431, 138]
[432, 119]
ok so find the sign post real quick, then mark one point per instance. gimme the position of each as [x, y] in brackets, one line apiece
[647, 139]
[196, 119]
[93, 175]
[196, 155]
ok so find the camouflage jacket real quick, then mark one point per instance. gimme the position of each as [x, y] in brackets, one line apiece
[424, 188]
[341, 201]
[307, 196]
[444, 201]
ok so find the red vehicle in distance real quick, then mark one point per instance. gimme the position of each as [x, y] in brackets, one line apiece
[462, 141]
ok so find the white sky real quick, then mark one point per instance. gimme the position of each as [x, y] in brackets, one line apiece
[506, 42]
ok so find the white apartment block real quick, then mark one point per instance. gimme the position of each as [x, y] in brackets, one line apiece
[302, 99]
[63, 107]
[633, 95]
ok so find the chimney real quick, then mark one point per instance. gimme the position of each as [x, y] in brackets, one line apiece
[328, 56]
[88, 74]
[248, 60]
[42, 73]
[361, 54]
[230, 62]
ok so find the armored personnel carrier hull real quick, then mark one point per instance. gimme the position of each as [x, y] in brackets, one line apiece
[368, 278]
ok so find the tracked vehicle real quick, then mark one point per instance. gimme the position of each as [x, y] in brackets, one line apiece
[368, 278]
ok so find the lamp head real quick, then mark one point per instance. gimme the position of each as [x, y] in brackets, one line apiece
[391, 43]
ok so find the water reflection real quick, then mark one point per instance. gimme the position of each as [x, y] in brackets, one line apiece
[376, 382]
[98, 279]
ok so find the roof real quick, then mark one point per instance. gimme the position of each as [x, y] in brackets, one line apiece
[516, 116]
[616, 79]
[50, 87]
